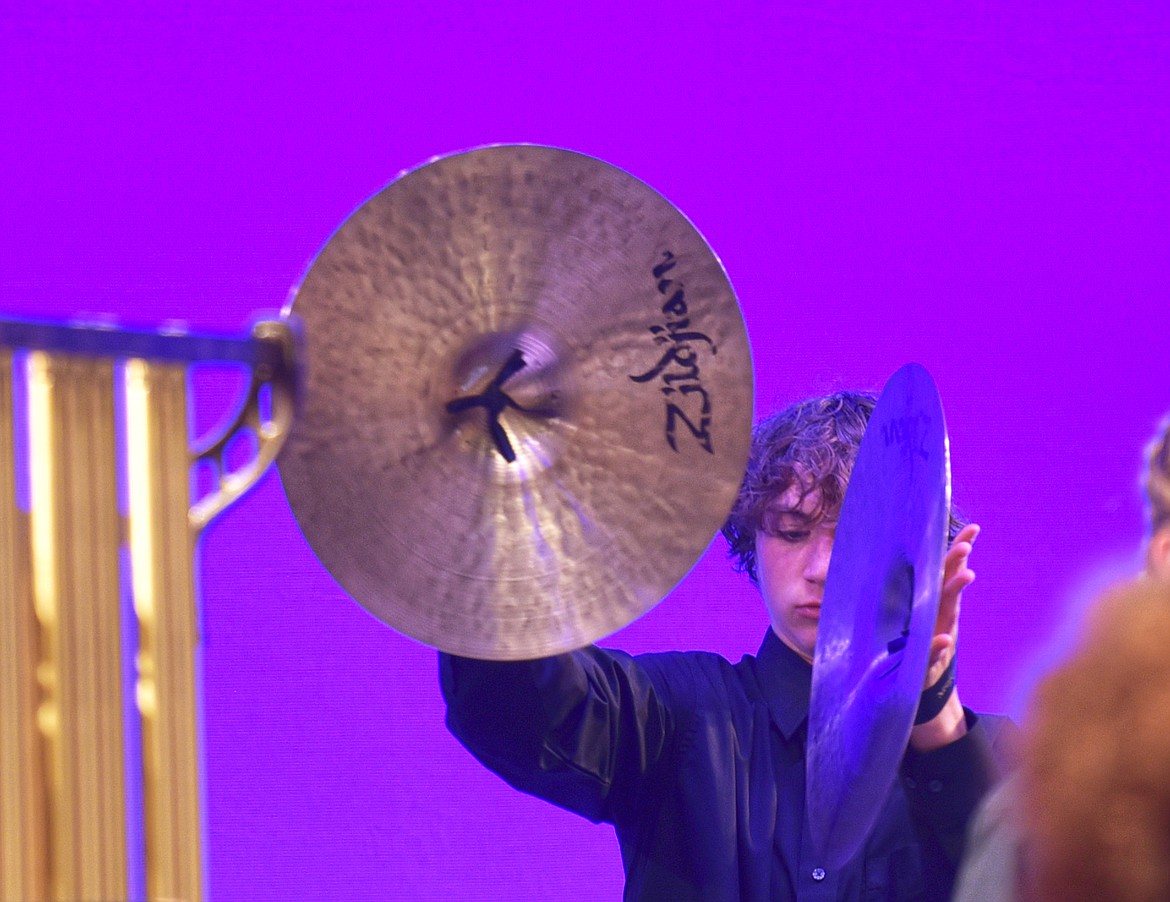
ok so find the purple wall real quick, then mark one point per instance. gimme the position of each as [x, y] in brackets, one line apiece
[982, 188]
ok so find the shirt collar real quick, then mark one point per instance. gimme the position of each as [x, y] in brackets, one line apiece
[786, 681]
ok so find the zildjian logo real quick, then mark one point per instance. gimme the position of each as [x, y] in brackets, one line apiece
[678, 367]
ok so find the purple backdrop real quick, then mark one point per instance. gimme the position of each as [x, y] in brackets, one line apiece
[981, 188]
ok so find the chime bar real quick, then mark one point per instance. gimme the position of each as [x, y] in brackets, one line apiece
[163, 580]
[76, 538]
[23, 800]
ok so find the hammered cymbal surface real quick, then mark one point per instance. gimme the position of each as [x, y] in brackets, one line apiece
[635, 377]
[878, 613]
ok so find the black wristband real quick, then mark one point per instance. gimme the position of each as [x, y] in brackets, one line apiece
[934, 698]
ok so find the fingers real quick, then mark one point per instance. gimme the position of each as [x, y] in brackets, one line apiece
[942, 649]
[957, 576]
[948, 608]
[954, 586]
[968, 533]
[960, 550]
[957, 554]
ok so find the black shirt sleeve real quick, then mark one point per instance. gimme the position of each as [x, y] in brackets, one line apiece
[580, 730]
[944, 788]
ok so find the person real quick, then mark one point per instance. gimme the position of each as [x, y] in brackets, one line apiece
[1032, 827]
[1157, 491]
[698, 763]
[1095, 771]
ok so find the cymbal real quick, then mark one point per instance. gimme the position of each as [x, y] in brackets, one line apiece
[878, 614]
[528, 404]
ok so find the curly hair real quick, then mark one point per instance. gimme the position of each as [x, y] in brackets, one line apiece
[810, 444]
[1096, 769]
[1157, 477]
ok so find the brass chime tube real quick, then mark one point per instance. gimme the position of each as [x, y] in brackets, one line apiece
[75, 542]
[23, 803]
[162, 546]
[64, 818]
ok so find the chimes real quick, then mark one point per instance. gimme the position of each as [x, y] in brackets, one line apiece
[64, 818]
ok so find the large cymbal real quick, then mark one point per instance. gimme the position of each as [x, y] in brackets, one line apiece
[878, 615]
[528, 405]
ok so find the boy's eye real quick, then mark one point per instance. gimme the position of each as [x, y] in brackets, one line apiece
[786, 527]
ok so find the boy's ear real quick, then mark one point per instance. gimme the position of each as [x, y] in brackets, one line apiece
[1158, 558]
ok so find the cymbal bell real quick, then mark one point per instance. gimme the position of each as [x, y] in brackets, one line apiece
[528, 403]
[878, 613]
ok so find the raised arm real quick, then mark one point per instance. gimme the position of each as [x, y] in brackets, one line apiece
[580, 730]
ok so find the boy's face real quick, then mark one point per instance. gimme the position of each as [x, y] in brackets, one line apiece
[792, 560]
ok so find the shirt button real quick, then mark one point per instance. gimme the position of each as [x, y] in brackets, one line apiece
[818, 874]
[935, 786]
[911, 783]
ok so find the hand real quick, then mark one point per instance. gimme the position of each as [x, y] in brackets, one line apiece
[957, 576]
[951, 723]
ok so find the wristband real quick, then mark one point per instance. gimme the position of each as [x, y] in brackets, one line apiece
[934, 698]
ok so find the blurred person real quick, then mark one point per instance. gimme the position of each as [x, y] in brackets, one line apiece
[1000, 864]
[1095, 777]
[1157, 487]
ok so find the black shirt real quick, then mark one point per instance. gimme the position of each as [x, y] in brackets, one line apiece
[700, 765]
